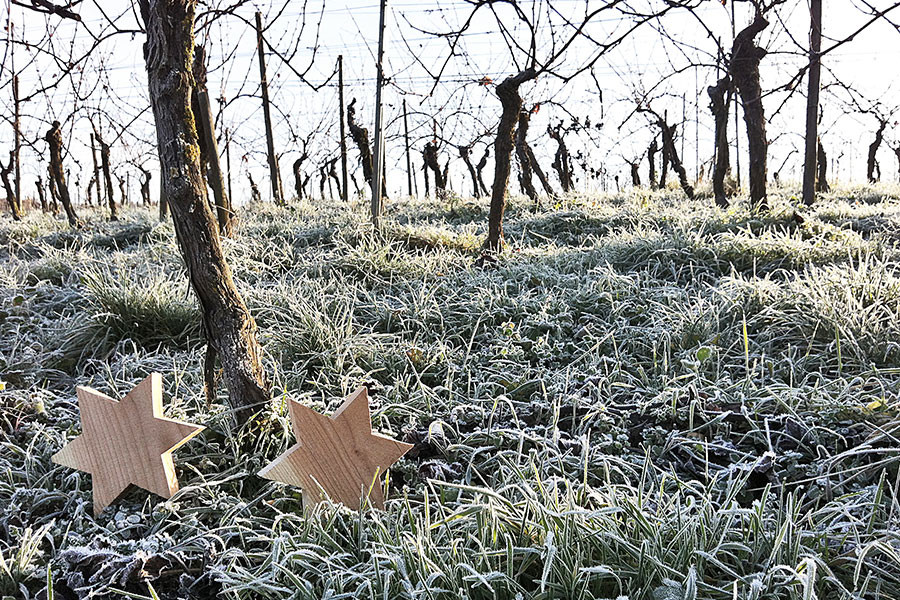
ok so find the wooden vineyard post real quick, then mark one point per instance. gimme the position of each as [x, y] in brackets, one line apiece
[216, 181]
[228, 162]
[409, 174]
[277, 193]
[812, 102]
[345, 188]
[17, 145]
[378, 160]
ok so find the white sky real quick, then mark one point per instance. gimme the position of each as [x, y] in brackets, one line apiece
[459, 107]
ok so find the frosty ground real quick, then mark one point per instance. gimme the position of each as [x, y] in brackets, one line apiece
[644, 396]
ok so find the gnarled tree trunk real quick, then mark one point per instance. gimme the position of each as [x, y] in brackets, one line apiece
[41, 195]
[635, 174]
[425, 174]
[54, 140]
[107, 176]
[464, 153]
[525, 171]
[430, 154]
[95, 181]
[54, 195]
[511, 101]
[670, 153]
[720, 98]
[90, 192]
[480, 167]
[651, 158]
[298, 172]
[561, 161]
[298, 178]
[360, 137]
[145, 186]
[674, 159]
[332, 173]
[323, 179]
[745, 59]
[872, 173]
[5, 171]
[822, 171]
[230, 330]
[664, 171]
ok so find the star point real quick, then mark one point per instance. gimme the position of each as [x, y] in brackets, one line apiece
[125, 442]
[337, 456]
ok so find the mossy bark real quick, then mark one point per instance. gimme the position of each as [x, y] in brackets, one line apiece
[229, 328]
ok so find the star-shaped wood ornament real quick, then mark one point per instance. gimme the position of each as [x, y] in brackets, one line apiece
[126, 442]
[337, 457]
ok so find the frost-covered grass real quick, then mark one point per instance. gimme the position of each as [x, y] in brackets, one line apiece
[643, 397]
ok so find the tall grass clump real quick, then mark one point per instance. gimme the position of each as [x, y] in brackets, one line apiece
[143, 304]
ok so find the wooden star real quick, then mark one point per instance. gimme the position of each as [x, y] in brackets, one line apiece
[338, 456]
[126, 442]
